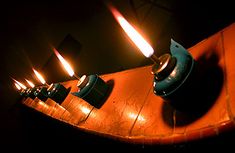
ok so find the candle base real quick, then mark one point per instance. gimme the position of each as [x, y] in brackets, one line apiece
[174, 86]
[93, 90]
[57, 92]
[23, 93]
[30, 93]
[41, 93]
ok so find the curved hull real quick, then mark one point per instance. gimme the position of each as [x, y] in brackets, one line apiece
[133, 113]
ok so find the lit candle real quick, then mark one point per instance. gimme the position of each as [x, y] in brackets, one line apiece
[17, 86]
[82, 81]
[162, 65]
[26, 92]
[21, 90]
[20, 84]
[171, 70]
[40, 78]
[91, 88]
[30, 83]
[132, 33]
[65, 64]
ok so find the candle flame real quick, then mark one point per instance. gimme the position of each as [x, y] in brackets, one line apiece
[20, 84]
[133, 34]
[30, 83]
[39, 76]
[66, 65]
[17, 86]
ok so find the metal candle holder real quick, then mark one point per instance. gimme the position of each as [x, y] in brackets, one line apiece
[57, 92]
[92, 89]
[30, 92]
[173, 72]
[41, 93]
[23, 92]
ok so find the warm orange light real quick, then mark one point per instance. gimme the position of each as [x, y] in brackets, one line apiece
[30, 83]
[134, 116]
[85, 110]
[66, 65]
[138, 40]
[20, 84]
[39, 76]
[141, 118]
[17, 86]
[43, 104]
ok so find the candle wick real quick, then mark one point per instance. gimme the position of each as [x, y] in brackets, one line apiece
[77, 77]
[155, 59]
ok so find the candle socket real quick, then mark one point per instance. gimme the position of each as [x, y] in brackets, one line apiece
[41, 93]
[30, 93]
[92, 89]
[57, 92]
[163, 66]
[173, 73]
[23, 92]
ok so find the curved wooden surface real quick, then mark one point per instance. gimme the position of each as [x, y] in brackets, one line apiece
[132, 112]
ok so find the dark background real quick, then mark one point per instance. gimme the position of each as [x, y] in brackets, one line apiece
[86, 33]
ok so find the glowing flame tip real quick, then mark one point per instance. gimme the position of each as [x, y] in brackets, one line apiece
[135, 37]
[30, 83]
[39, 76]
[17, 86]
[20, 84]
[66, 65]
